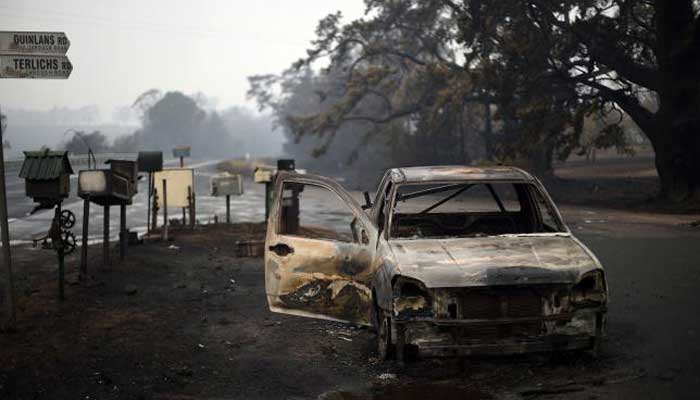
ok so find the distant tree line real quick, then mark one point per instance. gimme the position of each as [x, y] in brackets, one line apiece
[442, 81]
[174, 119]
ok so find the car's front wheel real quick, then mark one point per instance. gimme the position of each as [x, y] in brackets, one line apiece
[384, 343]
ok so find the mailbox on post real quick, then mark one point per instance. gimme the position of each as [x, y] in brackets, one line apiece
[150, 161]
[115, 186]
[47, 176]
[181, 151]
[47, 179]
[267, 176]
[129, 170]
[227, 185]
[107, 187]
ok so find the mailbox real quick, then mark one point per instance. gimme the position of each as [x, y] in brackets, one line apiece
[285, 164]
[226, 185]
[104, 187]
[263, 175]
[180, 186]
[127, 169]
[114, 186]
[150, 161]
[47, 176]
[181, 151]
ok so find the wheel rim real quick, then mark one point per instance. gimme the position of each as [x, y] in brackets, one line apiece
[68, 242]
[67, 219]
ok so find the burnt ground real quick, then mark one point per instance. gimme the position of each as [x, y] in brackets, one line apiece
[191, 322]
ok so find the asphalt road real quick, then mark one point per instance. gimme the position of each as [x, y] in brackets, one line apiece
[24, 227]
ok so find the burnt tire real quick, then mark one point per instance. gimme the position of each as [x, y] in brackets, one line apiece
[385, 347]
[594, 349]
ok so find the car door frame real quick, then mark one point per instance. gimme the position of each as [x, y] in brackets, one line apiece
[319, 278]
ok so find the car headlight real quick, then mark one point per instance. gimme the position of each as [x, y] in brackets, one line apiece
[590, 290]
[411, 299]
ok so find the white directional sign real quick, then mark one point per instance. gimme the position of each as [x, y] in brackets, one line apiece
[32, 66]
[37, 55]
[34, 42]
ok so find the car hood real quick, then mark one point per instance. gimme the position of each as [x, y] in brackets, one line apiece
[493, 260]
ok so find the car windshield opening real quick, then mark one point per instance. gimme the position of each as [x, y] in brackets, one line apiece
[471, 209]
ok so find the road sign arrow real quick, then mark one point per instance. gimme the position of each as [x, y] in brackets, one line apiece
[33, 43]
[33, 66]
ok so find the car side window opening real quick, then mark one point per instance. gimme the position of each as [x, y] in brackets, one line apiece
[548, 218]
[467, 209]
[316, 212]
[381, 215]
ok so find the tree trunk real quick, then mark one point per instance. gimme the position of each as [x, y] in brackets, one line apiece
[488, 130]
[676, 147]
[541, 158]
[675, 137]
[462, 137]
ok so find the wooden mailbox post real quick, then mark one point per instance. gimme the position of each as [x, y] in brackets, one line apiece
[108, 187]
[47, 180]
[150, 161]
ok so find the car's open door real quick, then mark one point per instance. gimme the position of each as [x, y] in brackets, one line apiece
[318, 251]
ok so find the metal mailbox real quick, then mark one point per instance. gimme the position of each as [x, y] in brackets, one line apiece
[127, 169]
[104, 187]
[114, 186]
[179, 180]
[47, 176]
[227, 185]
[285, 164]
[263, 175]
[150, 161]
[181, 151]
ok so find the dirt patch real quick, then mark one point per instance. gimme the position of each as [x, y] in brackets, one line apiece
[622, 183]
[188, 319]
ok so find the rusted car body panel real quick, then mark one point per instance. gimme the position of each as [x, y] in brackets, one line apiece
[321, 279]
[502, 294]
[487, 261]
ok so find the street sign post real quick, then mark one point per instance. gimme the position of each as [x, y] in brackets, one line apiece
[35, 67]
[26, 55]
[182, 152]
[9, 319]
[33, 43]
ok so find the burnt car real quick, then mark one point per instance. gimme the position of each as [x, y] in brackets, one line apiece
[445, 261]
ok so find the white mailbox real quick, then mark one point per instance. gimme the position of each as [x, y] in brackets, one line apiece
[180, 186]
[263, 175]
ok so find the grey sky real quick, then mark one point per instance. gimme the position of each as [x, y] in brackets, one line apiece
[119, 49]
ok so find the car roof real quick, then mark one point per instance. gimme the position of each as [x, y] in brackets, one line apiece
[458, 173]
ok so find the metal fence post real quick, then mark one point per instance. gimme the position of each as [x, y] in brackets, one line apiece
[105, 237]
[190, 198]
[61, 254]
[228, 209]
[82, 276]
[122, 231]
[148, 204]
[165, 209]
